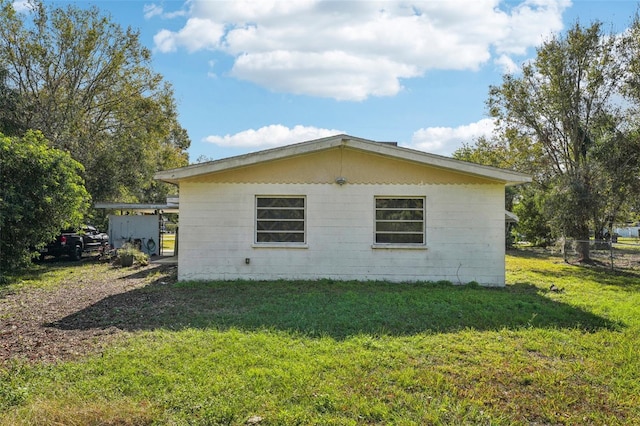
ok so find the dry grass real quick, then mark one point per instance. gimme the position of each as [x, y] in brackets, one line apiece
[84, 413]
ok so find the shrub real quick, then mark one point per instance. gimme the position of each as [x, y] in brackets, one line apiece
[42, 193]
[129, 254]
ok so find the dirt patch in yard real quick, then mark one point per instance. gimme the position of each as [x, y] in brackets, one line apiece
[27, 316]
[77, 308]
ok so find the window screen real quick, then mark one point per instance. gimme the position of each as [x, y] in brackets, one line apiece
[400, 220]
[280, 219]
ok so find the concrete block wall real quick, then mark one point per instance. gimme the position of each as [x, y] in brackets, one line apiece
[464, 234]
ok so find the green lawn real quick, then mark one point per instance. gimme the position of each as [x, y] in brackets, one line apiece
[352, 353]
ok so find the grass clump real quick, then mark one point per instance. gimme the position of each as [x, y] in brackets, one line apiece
[354, 353]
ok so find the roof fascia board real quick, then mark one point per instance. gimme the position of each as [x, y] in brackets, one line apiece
[174, 175]
[510, 177]
[135, 206]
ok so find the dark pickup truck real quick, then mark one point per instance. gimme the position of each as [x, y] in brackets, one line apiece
[74, 243]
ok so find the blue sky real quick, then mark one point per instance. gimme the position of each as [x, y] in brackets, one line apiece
[255, 74]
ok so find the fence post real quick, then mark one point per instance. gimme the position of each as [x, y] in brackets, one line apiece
[175, 244]
[611, 253]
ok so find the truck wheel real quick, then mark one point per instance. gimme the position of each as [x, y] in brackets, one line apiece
[76, 254]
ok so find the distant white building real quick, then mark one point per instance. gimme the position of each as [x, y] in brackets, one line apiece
[627, 231]
[342, 208]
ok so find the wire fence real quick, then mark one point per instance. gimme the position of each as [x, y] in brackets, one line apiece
[614, 254]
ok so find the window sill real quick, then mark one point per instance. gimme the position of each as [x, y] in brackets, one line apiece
[399, 247]
[280, 246]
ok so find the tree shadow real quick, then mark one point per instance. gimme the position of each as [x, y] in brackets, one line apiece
[328, 308]
[167, 273]
[629, 281]
[532, 252]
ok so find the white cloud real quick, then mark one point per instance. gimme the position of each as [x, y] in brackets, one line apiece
[356, 49]
[271, 136]
[165, 41]
[331, 74]
[530, 24]
[507, 65]
[445, 140]
[22, 6]
[151, 10]
[198, 34]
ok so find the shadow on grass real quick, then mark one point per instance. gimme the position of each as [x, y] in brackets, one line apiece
[328, 308]
[629, 281]
[532, 253]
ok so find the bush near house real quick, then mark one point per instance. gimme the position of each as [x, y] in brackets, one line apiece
[329, 352]
[41, 192]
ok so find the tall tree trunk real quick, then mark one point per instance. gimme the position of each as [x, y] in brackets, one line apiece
[582, 244]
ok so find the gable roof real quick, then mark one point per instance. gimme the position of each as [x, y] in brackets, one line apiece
[389, 150]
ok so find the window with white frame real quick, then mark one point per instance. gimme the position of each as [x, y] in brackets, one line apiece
[400, 220]
[280, 219]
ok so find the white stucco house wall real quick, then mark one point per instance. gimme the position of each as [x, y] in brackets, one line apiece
[342, 208]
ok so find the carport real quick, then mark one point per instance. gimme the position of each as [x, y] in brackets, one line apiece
[141, 224]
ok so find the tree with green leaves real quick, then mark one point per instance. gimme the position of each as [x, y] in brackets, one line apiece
[525, 200]
[87, 84]
[569, 104]
[9, 124]
[41, 193]
[533, 224]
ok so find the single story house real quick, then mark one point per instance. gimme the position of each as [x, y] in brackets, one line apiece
[342, 208]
